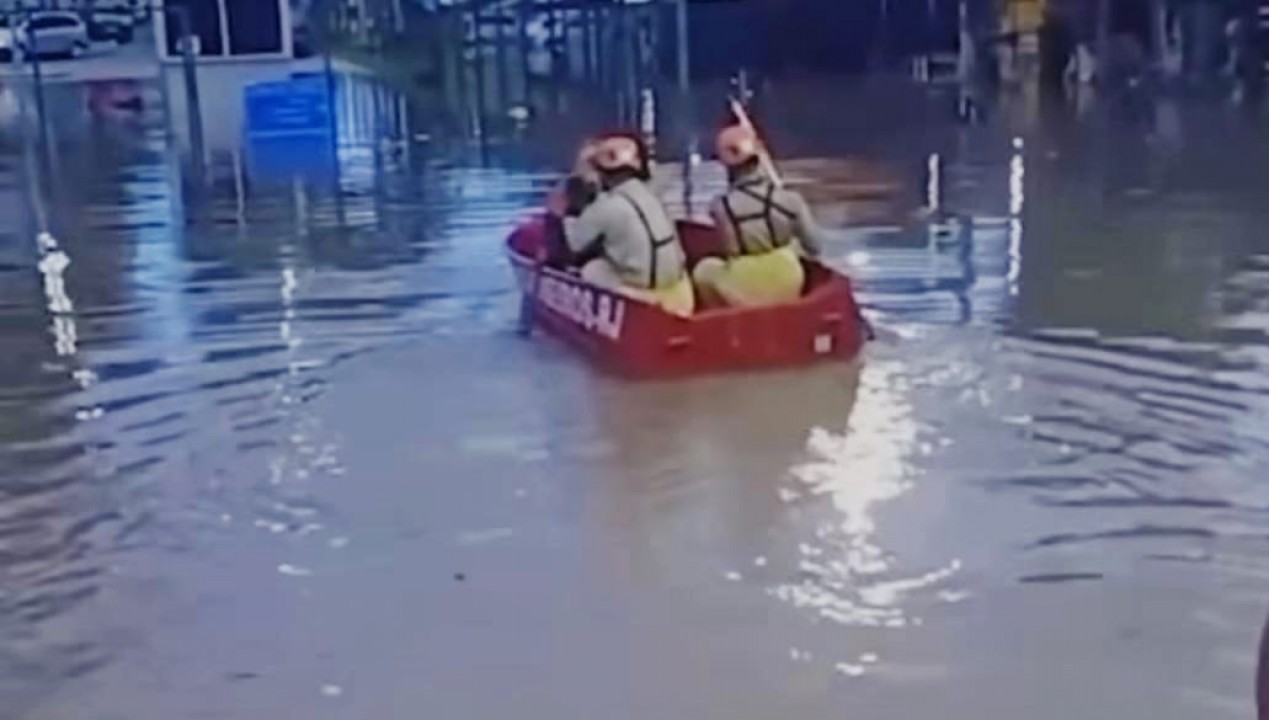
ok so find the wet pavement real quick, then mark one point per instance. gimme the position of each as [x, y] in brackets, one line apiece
[279, 451]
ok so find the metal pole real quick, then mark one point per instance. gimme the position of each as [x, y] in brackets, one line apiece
[602, 37]
[1103, 41]
[685, 93]
[588, 44]
[684, 59]
[638, 75]
[336, 184]
[966, 67]
[327, 27]
[193, 105]
[456, 61]
[559, 36]
[612, 61]
[15, 56]
[398, 17]
[630, 73]
[37, 79]
[522, 35]
[500, 57]
[883, 34]
[478, 59]
[332, 118]
[34, 174]
[363, 30]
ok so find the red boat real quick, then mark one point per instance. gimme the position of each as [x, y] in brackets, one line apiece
[638, 340]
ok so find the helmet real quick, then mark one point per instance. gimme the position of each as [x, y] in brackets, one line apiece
[618, 153]
[737, 145]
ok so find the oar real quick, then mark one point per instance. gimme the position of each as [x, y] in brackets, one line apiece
[764, 157]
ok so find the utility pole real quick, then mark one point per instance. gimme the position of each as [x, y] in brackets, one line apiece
[32, 44]
[193, 104]
[1103, 41]
[685, 75]
[36, 171]
[29, 39]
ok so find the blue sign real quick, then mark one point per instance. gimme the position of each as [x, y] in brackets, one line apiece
[289, 108]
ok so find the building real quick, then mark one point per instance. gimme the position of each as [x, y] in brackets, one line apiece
[226, 29]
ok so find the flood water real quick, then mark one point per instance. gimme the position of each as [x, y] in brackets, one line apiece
[279, 451]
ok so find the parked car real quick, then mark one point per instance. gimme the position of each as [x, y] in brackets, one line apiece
[123, 6]
[138, 10]
[6, 39]
[53, 33]
[111, 25]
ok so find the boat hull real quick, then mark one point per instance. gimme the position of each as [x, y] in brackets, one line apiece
[635, 339]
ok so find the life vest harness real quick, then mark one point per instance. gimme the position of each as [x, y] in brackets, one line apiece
[657, 243]
[766, 214]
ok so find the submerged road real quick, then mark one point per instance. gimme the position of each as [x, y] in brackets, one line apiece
[292, 459]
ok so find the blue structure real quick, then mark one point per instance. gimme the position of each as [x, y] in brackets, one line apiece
[300, 106]
[284, 158]
[290, 127]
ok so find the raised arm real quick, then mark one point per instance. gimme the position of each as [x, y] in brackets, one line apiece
[587, 229]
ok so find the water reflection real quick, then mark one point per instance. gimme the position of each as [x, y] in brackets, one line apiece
[160, 394]
[845, 575]
[681, 498]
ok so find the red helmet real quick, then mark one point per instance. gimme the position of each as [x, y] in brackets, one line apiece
[618, 153]
[737, 145]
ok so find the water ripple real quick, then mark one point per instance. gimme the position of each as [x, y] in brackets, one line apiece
[1063, 417]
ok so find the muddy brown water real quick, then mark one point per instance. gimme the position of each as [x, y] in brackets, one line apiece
[292, 459]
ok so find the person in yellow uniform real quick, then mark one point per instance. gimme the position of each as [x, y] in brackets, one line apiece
[764, 228]
[630, 241]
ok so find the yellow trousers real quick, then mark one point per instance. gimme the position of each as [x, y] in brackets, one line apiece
[771, 278]
[677, 299]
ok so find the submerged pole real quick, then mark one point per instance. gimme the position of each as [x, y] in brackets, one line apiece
[193, 105]
[37, 89]
[561, 63]
[478, 67]
[630, 69]
[1103, 41]
[688, 109]
[36, 172]
[589, 72]
[522, 42]
[683, 57]
[503, 97]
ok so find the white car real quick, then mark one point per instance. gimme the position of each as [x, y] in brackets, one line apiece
[6, 38]
[53, 33]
